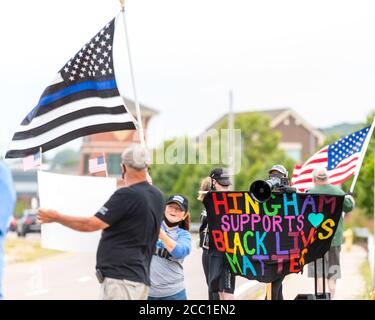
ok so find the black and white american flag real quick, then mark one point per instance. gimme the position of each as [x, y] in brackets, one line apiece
[82, 100]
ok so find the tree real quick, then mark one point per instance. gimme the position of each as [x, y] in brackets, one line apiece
[259, 144]
[65, 158]
[364, 189]
[259, 147]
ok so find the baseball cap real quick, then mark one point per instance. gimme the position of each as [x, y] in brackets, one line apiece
[279, 168]
[182, 201]
[221, 176]
[320, 174]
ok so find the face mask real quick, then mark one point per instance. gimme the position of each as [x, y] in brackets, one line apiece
[123, 172]
[171, 224]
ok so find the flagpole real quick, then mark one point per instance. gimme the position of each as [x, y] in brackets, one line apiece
[362, 156]
[106, 170]
[139, 120]
[41, 158]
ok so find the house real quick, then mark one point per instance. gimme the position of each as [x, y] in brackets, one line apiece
[298, 138]
[112, 144]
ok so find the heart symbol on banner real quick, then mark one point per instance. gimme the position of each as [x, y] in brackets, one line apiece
[316, 219]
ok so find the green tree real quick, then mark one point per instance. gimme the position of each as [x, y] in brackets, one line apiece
[65, 158]
[364, 188]
[259, 148]
[260, 151]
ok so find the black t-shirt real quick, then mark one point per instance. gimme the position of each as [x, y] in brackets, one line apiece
[134, 215]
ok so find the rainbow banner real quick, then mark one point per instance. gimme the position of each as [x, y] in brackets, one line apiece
[266, 241]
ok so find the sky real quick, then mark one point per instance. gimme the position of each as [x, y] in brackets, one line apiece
[316, 57]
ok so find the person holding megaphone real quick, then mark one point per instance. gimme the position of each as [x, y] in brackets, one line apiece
[261, 191]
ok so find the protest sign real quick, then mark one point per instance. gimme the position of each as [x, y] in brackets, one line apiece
[265, 241]
[76, 196]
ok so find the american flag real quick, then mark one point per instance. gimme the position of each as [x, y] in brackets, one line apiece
[83, 99]
[97, 165]
[32, 161]
[339, 158]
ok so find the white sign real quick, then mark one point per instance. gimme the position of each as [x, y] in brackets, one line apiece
[75, 196]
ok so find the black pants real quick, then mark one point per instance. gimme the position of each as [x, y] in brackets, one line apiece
[277, 289]
[206, 268]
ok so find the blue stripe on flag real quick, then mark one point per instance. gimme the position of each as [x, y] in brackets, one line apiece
[87, 85]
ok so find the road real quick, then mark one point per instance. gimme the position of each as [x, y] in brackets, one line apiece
[70, 276]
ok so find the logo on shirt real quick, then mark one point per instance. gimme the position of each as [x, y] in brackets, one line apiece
[103, 210]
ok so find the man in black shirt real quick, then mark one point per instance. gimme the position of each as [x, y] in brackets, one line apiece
[130, 221]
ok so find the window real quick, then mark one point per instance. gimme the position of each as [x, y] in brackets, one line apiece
[114, 161]
[294, 154]
[292, 150]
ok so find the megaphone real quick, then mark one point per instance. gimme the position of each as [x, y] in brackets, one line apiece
[260, 190]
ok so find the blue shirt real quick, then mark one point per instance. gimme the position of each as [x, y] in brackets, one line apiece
[167, 274]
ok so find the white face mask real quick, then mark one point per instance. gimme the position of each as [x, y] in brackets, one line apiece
[173, 214]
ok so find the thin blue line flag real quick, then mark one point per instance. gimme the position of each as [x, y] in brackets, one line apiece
[83, 99]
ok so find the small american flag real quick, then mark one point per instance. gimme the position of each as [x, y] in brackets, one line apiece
[32, 161]
[97, 165]
[339, 158]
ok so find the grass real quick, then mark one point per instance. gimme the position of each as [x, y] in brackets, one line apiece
[257, 294]
[357, 219]
[22, 250]
[366, 275]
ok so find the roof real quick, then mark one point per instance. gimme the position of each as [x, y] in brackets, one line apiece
[145, 110]
[272, 113]
[277, 116]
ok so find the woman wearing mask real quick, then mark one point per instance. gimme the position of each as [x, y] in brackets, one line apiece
[203, 235]
[174, 244]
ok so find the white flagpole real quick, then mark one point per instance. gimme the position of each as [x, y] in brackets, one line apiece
[362, 156]
[41, 158]
[139, 120]
[231, 138]
[106, 169]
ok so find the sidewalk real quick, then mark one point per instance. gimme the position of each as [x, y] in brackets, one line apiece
[349, 287]
[195, 280]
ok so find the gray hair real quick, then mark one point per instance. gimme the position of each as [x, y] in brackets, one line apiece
[135, 156]
[320, 174]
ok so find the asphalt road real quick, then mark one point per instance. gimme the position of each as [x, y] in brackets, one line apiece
[70, 276]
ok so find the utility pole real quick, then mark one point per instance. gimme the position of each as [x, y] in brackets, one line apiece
[231, 159]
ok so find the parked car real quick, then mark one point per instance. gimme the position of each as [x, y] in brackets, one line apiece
[13, 224]
[28, 223]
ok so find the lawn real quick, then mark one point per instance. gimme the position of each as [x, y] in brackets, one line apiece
[23, 250]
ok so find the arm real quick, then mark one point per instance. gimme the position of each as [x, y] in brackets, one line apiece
[169, 243]
[85, 224]
[183, 246]
[348, 203]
